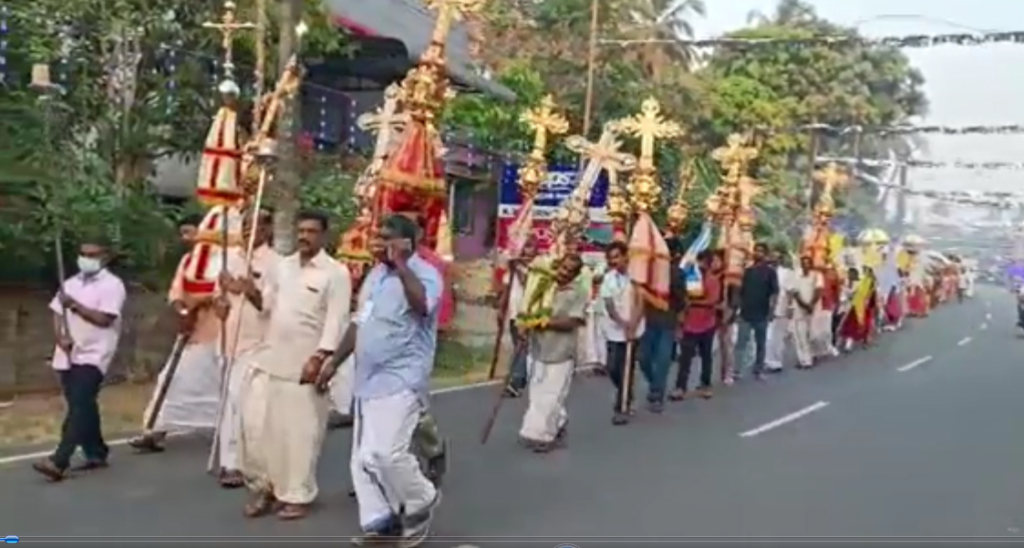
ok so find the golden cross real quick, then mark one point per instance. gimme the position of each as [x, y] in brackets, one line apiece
[647, 126]
[543, 120]
[386, 122]
[228, 26]
[735, 155]
[604, 154]
[832, 178]
[448, 13]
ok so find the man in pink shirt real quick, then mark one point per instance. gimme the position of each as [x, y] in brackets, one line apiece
[700, 324]
[87, 325]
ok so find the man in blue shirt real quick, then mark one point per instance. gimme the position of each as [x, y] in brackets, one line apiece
[394, 338]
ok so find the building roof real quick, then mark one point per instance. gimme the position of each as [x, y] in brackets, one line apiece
[410, 22]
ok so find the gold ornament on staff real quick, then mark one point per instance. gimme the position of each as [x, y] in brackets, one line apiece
[544, 122]
[425, 87]
[228, 27]
[832, 178]
[647, 126]
[730, 207]
[679, 211]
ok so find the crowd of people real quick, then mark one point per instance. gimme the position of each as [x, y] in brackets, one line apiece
[258, 362]
[743, 330]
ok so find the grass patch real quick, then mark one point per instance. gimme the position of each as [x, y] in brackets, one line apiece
[36, 419]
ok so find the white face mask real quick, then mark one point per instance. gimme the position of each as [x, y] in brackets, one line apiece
[89, 265]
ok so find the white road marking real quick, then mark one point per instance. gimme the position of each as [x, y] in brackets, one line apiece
[988, 316]
[984, 326]
[124, 441]
[784, 420]
[964, 341]
[914, 364]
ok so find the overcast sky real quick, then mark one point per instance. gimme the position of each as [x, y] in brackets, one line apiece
[981, 85]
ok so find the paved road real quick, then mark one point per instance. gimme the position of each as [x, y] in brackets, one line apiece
[919, 436]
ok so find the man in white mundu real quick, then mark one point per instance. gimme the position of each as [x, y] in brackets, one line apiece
[244, 331]
[191, 396]
[394, 338]
[284, 413]
[805, 296]
[552, 359]
[778, 329]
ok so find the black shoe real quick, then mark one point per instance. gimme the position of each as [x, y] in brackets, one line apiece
[620, 419]
[656, 407]
[437, 467]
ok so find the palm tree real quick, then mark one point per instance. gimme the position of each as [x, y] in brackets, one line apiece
[787, 12]
[660, 26]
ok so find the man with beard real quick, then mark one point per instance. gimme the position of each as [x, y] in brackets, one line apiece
[191, 398]
[624, 308]
[394, 337]
[284, 410]
[245, 328]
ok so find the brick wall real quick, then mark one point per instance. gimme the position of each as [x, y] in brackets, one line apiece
[26, 340]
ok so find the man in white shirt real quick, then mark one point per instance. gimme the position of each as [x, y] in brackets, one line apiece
[622, 325]
[87, 324]
[805, 294]
[778, 329]
[513, 285]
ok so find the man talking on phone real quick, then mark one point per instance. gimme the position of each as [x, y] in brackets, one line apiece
[394, 337]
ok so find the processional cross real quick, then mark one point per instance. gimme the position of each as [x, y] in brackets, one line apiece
[832, 177]
[386, 122]
[543, 120]
[448, 13]
[228, 27]
[604, 154]
[647, 126]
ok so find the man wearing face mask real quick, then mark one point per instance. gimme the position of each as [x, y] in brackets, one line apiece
[394, 338]
[87, 324]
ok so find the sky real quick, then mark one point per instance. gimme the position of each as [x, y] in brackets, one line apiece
[981, 85]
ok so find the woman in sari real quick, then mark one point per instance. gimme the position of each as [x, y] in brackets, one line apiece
[859, 325]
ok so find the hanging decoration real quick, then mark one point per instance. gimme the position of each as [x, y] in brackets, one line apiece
[913, 41]
[927, 164]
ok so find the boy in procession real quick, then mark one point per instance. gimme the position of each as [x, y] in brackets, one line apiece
[552, 359]
[394, 338]
[283, 410]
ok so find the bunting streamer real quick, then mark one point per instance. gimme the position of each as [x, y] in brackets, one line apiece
[915, 41]
[926, 164]
[1005, 129]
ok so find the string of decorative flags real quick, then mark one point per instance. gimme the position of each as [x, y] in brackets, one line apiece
[908, 41]
[903, 129]
[926, 164]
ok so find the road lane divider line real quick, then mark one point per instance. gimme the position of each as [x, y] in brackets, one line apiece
[781, 421]
[914, 364]
[988, 316]
[964, 341]
[984, 326]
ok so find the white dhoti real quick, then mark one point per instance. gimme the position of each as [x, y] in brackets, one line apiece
[775, 348]
[193, 395]
[801, 330]
[545, 412]
[283, 425]
[231, 419]
[821, 334]
[341, 388]
[385, 474]
[592, 341]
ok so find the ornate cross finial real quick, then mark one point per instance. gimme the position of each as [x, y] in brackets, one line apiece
[735, 154]
[647, 126]
[604, 154]
[543, 120]
[448, 13]
[386, 122]
[228, 26]
[832, 178]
